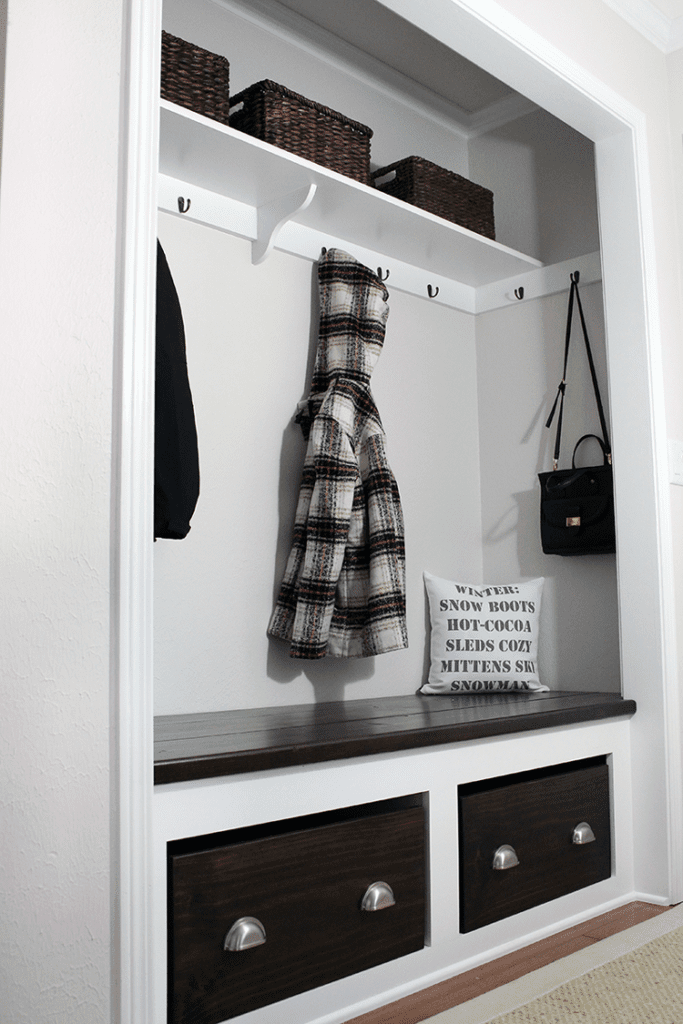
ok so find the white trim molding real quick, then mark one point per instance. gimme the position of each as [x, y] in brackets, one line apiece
[132, 519]
[666, 33]
[509, 109]
[676, 37]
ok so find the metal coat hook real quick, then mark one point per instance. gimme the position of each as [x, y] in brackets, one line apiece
[383, 277]
[184, 204]
[432, 292]
[519, 293]
[575, 276]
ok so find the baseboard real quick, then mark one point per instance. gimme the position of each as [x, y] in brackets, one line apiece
[453, 970]
[645, 897]
[506, 998]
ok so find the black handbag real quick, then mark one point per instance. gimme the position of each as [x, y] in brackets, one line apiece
[577, 505]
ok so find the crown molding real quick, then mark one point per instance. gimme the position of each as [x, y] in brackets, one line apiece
[666, 33]
[676, 35]
[510, 108]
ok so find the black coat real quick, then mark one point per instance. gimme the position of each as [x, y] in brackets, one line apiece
[176, 457]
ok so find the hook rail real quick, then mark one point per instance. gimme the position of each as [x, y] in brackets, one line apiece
[301, 239]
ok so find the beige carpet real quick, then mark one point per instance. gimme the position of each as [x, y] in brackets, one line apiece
[634, 977]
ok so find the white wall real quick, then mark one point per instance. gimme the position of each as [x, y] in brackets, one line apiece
[675, 355]
[58, 205]
[251, 341]
[520, 354]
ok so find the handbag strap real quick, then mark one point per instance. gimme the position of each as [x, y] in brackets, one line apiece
[561, 388]
[605, 452]
[560, 480]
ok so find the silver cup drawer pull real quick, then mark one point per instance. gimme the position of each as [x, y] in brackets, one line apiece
[245, 933]
[378, 896]
[583, 833]
[505, 858]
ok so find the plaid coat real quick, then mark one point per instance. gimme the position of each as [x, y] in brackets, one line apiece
[343, 592]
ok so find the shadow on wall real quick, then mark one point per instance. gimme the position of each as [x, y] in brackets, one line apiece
[328, 676]
[579, 631]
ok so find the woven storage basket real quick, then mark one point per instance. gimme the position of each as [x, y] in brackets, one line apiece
[421, 183]
[195, 78]
[283, 118]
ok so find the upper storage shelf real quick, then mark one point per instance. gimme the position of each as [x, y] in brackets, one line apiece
[273, 197]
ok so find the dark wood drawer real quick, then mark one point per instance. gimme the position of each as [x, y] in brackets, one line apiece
[536, 814]
[305, 886]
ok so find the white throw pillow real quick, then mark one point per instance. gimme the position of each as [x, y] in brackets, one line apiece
[484, 638]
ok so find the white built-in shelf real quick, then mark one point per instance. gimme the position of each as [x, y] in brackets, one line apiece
[276, 199]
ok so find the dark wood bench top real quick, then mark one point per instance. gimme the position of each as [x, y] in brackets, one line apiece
[204, 746]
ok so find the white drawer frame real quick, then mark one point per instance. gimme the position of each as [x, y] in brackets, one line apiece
[195, 808]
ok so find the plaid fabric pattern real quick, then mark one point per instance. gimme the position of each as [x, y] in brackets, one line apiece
[343, 591]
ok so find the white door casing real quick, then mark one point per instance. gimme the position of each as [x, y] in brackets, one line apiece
[495, 39]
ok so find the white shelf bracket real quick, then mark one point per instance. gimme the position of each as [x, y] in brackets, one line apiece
[271, 216]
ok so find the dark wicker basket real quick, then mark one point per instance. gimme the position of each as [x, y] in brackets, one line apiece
[195, 78]
[283, 118]
[444, 193]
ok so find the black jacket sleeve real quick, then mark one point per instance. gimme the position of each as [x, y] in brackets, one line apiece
[176, 456]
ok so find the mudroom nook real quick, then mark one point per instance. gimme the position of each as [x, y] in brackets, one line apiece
[197, 824]
[264, 763]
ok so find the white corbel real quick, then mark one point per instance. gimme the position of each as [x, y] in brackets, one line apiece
[271, 216]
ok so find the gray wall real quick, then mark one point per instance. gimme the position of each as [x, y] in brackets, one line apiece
[542, 174]
[463, 401]
[250, 337]
[519, 365]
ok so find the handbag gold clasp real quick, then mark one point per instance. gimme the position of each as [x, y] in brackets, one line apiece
[573, 521]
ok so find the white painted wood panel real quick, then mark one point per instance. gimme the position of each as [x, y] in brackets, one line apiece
[200, 151]
[215, 805]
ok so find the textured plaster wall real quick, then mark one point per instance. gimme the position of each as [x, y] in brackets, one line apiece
[57, 272]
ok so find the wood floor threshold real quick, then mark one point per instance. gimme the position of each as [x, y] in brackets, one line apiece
[422, 1005]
